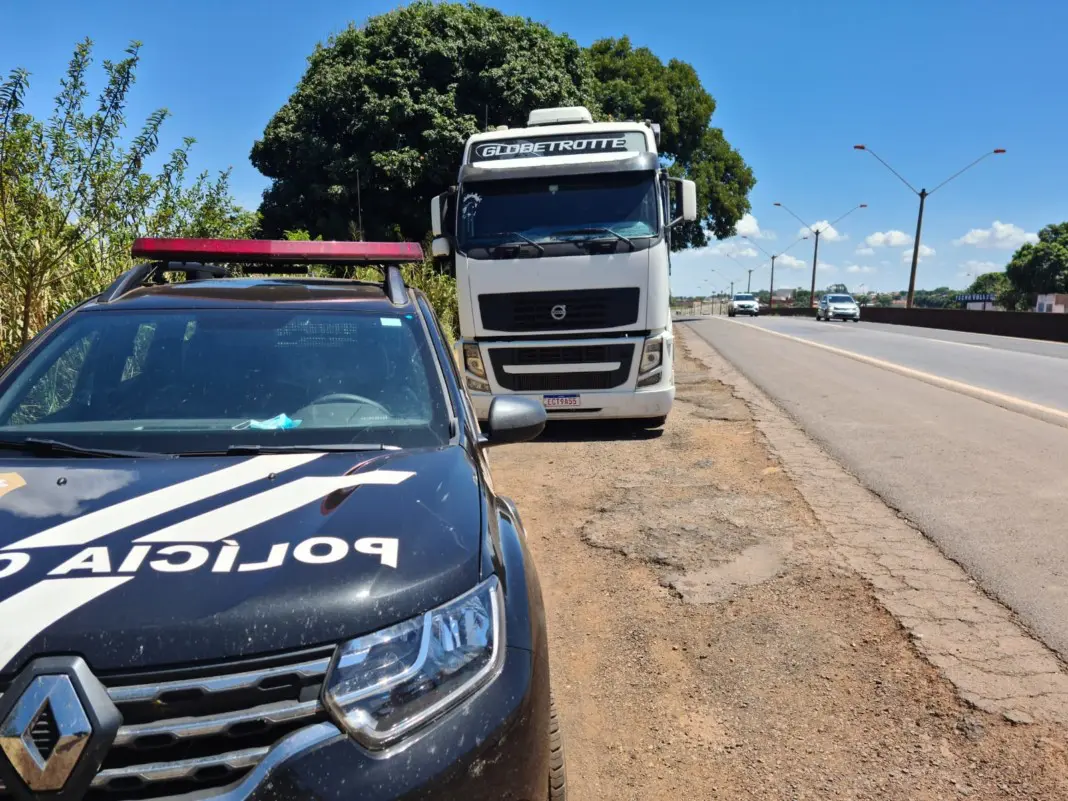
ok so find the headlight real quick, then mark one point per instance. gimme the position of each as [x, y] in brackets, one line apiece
[386, 684]
[652, 355]
[473, 360]
[476, 384]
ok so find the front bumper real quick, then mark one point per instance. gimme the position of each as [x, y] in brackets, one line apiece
[611, 405]
[493, 746]
[746, 310]
[622, 399]
[843, 315]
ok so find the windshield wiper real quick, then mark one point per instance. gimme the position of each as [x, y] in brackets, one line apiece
[257, 450]
[526, 240]
[598, 230]
[52, 447]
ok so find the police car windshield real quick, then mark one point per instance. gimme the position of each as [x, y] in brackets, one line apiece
[743, 297]
[839, 299]
[205, 380]
[559, 209]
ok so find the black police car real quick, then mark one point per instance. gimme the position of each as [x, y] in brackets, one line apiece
[250, 547]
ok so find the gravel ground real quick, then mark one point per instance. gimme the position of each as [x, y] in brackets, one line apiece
[706, 644]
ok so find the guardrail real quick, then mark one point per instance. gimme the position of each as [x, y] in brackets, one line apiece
[1027, 325]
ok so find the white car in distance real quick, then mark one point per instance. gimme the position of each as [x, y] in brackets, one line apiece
[743, 303]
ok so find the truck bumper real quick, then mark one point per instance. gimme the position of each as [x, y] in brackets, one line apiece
[587, 379]
[611, 405]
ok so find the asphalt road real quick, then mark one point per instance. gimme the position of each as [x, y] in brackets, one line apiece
[988, 485]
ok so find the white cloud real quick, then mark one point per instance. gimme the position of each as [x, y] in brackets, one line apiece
[790, 261]
[906, 255]
[829, 268]
[736, 249]
[828, 233]
[856, 268]
[888, 239]
[748, 226]
[865, 251]
[1004, 236]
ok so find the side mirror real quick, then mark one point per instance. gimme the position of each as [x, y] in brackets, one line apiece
[436, 205]
[440, 247]
[687, 197]
[513, 418]
[689, 201]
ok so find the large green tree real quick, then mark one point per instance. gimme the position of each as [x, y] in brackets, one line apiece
[74, 193]
[377, 124]
[632, 83]
[382, 114]
[1038, 268]
[989, 284]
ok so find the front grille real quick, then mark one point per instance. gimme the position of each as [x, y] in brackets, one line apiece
[582, 309]
[198, 731]
[548, 356]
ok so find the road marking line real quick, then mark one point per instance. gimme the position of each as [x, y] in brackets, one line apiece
[1036, 410]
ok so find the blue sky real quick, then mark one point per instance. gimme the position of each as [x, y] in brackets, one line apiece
[928, 84]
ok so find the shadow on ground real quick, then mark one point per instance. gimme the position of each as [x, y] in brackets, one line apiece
[596, 431]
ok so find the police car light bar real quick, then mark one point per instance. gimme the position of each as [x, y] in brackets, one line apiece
[273, 251]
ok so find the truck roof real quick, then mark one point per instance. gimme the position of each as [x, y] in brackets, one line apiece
[555, 130]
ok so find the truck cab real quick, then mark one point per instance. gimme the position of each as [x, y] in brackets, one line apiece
[559, 235]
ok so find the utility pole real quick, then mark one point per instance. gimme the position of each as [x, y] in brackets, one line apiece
[923, 195]
[749, 280]
[816, 233]
[771, 287]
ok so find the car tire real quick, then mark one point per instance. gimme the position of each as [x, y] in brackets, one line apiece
[557, 763]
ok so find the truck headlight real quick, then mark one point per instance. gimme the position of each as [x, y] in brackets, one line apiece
[473, 360]
[652, 355]
[384, 685]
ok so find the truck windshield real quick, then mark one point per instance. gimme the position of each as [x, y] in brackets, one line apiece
[206, 380]
[559, 209]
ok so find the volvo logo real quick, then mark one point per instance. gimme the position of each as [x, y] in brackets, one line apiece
[45, 734]
[558, 312]
[56, 725]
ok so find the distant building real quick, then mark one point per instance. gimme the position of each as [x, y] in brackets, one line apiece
[1055, 303]
[978, 301]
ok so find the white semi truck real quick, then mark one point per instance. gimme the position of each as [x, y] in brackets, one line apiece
[560, 237]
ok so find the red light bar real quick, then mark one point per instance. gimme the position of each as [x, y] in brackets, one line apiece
[273, 251]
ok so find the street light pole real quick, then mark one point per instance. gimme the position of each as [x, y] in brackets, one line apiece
[923, 195]
[749, 280]
[816, 249]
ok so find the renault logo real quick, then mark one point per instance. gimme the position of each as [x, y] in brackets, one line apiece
[57, 724]
[558, 312]
[46, 732]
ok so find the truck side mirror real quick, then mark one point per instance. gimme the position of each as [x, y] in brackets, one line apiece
[437, 204]
[687, 196]
[689, 201]
[440, 247]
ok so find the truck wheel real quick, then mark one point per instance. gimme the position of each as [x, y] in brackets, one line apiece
[557, 765]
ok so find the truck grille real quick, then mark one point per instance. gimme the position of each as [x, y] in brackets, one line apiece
[547, 356]
[583, 309]
[207, 729]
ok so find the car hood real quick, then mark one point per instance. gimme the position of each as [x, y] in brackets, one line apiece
[135, 563]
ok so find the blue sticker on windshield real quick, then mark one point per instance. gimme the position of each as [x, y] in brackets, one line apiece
[390, 322]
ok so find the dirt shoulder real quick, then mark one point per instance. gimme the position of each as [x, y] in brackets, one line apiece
[708, 641]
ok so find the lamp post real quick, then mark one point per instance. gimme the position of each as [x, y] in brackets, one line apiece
[923, 195]
[816, 233]
[773, 257]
